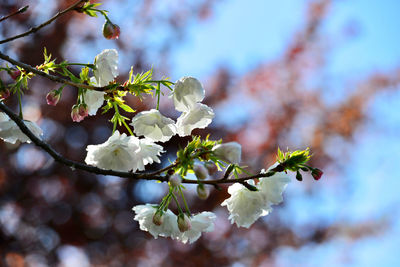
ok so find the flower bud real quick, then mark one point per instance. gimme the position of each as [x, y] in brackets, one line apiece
[5, 93]
[53, 97]
[211, 167]
[316, 173]
[75, 114]
[110, 30]
[200, 171]
[184, 223]
[158, 218]
[175, 180]
[15, 74]
[202, 191]
[230, 152]
[83, 110]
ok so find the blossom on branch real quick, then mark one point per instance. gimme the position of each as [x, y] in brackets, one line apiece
[245, 206]
[168, 228]
[153, 125]
[11, 133]
[147, 153]
[106, 67]
[200, 116]
[202, 222]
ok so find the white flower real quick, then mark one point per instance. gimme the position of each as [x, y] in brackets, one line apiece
[106, 64]
[144, 215]
[245, 206]
[187, 92]
[230, 152]
[10, 132]
[200, 116]
[147, 153]
[272, 187]
[93, 99]
[202, 222]
[117, 153]
[153, 125]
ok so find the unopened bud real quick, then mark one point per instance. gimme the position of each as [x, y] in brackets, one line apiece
[184, 223]
[53, 97]
[175, 180]
[200, 171]
[316, 173]
[75, 114]
[202, 191]
[111, 30]
[211, 167]
[15, 74]
[83, 110]
[158, 219]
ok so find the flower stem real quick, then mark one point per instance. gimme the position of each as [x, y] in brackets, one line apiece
[158, 92]
[177, 202]
[184, 201]
[127, 127]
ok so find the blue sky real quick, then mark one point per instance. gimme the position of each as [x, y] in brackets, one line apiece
[243, 34]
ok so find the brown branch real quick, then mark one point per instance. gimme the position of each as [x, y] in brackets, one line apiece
[35, 29]
[21, 10]
[137, 176]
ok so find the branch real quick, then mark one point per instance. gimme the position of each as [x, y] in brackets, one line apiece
[52, 77]
[136, 176]
[70, 163]
[21, 10]
[35, 29]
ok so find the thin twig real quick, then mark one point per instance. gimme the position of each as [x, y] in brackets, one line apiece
[51, 77]
[35, 29]
[21, 10]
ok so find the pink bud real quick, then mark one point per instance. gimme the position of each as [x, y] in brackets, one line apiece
[52, 98]
[15, 74]
[175, 180]
[184, 223]
[75, 114]
[316, 173]
[4, 94]
[211, 167]
[200, 171]
[158, 218]
[202, 191]
[83, 110]
[110, 30]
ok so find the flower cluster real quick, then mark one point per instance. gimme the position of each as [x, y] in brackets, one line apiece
[181, 227]
[246, 206]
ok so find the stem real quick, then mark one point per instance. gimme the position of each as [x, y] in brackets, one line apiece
[158, 92]
[184, 201]
[127, 127]
[80, 64]
[177, 202]
[35, 29]
[21, 10]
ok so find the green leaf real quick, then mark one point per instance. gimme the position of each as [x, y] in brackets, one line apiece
[126, 108]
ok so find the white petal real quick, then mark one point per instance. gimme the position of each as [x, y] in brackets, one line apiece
[272, 187]
[94, 100]
[106, 64]
[187, 92]
[230, 152]
[154, 126]
[198, 117]
[10, 132]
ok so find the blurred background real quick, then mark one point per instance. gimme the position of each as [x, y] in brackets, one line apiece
[291, 73]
